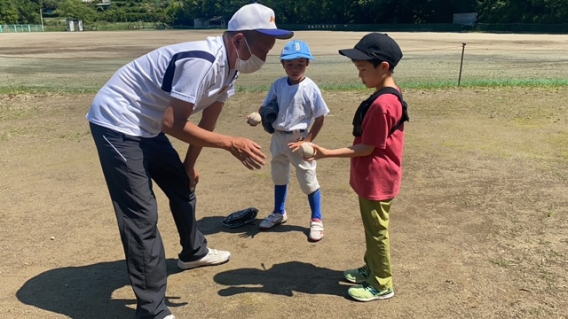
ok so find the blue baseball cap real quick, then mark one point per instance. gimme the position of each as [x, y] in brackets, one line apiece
[296, 49]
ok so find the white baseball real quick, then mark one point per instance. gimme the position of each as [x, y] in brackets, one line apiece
[306, 150]
[254, 118]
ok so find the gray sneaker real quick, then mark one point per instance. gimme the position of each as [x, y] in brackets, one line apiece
[273, 220]
[213, 257]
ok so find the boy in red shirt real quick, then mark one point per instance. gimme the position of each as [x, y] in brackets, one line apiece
[376, 160]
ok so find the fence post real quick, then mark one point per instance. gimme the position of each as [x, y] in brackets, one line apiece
[461, 63]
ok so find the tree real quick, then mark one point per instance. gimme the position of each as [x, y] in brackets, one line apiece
[76, 9]
[9, 12]
[295, 12]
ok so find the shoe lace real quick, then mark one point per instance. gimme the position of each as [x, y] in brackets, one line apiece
[363, 272]
[371, 289]
[274, 217]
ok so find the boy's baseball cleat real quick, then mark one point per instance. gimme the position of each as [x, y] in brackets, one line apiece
[213, 257]
[366, 292]
[273, 220]
[316, 230]
[357, 275]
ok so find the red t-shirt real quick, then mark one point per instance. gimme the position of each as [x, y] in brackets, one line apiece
[378, 176]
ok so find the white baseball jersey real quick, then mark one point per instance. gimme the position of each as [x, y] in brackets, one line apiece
[298, 104]
[134, 100]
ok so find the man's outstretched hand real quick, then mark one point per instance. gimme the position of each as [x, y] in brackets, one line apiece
[248, 152]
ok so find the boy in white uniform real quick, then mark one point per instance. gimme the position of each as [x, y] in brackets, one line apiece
[300, 106]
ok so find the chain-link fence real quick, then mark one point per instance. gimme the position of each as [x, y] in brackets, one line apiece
[5, 28]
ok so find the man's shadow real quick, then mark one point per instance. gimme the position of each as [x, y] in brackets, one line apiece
[214, 224]
[283, 279]
[86, 291]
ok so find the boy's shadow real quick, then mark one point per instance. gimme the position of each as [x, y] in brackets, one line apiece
[86, 291]
[283, 279]
[214, 224]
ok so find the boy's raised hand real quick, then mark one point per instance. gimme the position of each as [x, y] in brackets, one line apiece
[254, 119]
[295, 146]
[320, 152]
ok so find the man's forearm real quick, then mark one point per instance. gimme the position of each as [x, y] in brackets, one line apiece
[191, 156]
[195, 135]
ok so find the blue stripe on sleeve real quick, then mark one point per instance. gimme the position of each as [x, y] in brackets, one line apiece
[170, 71]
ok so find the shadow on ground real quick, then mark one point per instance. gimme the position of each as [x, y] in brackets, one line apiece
[85, 292]
[282, 279]
[214, 224]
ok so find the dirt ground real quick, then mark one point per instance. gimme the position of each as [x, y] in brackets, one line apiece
[478, 231]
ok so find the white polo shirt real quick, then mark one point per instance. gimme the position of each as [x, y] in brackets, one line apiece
[134, 100]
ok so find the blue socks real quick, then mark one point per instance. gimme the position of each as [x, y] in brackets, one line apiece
[315, 204]
[280, 193]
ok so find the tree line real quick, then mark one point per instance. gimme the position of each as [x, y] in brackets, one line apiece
[182, 12]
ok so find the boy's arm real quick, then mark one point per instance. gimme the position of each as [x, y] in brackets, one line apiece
[351, 151]
[269, 97]
[316, 128]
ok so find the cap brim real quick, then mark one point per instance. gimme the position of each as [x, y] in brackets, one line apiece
[297, 56]
[277, 33]
[355, 54]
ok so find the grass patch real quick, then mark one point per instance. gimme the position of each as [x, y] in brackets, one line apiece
[45, 89]
[326, 87]
[429, 85]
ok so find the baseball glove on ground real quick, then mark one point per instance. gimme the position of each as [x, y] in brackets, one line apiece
[269, 115]
[240, 218]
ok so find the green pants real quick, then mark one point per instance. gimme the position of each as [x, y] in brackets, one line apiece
[375, 217]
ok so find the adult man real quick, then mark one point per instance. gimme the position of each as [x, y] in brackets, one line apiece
[156, 94]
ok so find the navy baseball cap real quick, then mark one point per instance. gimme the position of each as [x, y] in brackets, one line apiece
[375, 46]
[257, 17]
[296, 49]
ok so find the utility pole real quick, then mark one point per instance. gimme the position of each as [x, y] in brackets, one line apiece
[461, 64]
[41, 17]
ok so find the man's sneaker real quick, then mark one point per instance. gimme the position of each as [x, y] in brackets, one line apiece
[273, 220]
[356, 276]
[213, 257]
[316, 230]
[366, 292]
[169, 317]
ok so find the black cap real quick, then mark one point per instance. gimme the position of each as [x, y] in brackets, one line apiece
[375, 46]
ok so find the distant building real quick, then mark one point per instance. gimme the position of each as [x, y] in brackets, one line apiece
[105, 4]
[74, 25]
[217, 22]
[465, 19]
